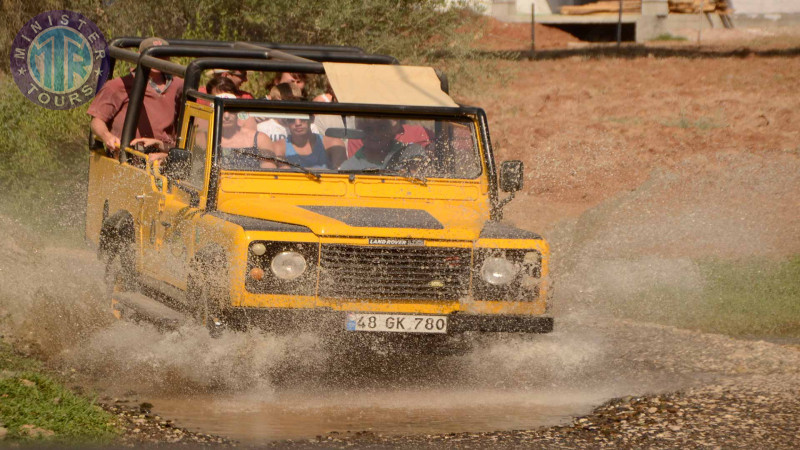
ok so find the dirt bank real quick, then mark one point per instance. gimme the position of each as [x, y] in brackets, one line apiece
[588, 130]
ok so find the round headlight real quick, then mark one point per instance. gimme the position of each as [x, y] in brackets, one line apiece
[258, 249]
[498, 271]
[288, 265]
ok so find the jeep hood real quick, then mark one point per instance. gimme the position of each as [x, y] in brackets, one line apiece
[426, 219]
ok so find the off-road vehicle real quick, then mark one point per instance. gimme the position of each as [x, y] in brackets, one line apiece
[413, 244]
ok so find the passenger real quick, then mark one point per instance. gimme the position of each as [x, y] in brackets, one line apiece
[160, 107]
[218, 85]
[325, 121]
[236, 77]
[237, 140]
[296, 78]
[405, 133]
[308, 146]
[379, 145]
[326, 97]
[302, 146]
[271, 127]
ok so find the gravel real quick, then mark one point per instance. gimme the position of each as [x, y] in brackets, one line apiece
[142, 428]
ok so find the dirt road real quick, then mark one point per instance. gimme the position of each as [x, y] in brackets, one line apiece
[636, 168]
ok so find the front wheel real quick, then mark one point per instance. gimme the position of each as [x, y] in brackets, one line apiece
[120, 276]
[210, 314]
[206, 293]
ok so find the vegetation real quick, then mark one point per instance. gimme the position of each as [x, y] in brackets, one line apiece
[750, 298]
[412, 30]
[34, 407]
[43, 163]
[44, 157]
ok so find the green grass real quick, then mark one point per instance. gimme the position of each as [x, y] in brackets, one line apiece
[43, 169]
[757, 298]
[28, 396]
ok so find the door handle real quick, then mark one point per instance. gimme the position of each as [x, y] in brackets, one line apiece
[166, 224]
[140, 197]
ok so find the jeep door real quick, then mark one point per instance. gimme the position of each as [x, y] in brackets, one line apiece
[170, 246]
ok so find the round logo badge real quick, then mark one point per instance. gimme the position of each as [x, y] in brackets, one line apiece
[59, 59]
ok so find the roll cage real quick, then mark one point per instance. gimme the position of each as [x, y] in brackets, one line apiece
[271, 57]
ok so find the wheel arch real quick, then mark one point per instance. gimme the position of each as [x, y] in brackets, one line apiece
[117, 230]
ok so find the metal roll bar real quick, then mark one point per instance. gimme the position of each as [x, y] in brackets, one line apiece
[135, 41]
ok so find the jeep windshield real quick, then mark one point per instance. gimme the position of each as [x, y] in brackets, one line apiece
[409, 147]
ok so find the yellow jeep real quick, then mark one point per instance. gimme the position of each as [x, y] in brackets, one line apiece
[411, 243]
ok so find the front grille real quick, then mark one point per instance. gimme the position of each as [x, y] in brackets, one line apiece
[407, 273]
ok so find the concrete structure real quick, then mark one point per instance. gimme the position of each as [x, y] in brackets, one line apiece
[654, 19]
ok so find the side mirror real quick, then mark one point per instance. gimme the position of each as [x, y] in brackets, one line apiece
[177, 164]
[511, 176]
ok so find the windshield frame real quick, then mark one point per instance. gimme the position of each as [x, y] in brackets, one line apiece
[467, 113]
[460, 116]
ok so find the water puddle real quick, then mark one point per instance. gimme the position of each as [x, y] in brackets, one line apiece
[298, 414]
[257, 387]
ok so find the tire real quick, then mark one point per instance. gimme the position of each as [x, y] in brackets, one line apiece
[120, 276]
[206, 293]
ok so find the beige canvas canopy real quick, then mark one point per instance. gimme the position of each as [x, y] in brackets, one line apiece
[386, 84]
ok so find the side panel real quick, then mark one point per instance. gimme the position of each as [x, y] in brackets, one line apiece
[121, 187]
[171, 216]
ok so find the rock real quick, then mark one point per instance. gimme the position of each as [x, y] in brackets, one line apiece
[28, 383]
[3, 432]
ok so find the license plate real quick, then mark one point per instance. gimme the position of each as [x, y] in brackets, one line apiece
[395, 323]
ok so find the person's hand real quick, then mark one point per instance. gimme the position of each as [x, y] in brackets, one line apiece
[160, 156]
[112, 143]
[149, 142]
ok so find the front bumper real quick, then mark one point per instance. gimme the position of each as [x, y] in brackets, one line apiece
[499, 324]
[319, 319]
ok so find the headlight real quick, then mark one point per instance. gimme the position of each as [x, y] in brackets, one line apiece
[288, 265]
[498, 271]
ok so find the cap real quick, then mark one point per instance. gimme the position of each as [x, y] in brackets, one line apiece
[151, 42]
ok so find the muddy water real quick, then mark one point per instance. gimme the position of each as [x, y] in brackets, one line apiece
[304, 388]
[299, 414]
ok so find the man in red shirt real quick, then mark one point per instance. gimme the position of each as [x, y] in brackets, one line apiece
[160, 107]
[404, 133]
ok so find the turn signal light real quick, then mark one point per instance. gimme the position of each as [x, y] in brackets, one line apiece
[257, 273]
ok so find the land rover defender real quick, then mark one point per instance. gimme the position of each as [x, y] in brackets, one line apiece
[412, 243]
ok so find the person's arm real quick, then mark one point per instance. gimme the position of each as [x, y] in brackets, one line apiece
[337, 153]
[267, 148]
[100, 128]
